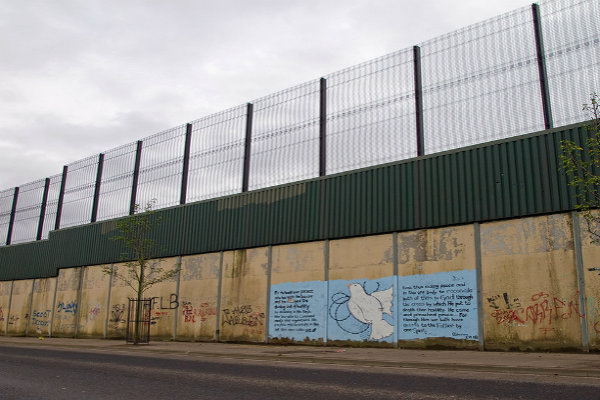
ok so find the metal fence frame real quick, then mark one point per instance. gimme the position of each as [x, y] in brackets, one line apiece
[173, 164]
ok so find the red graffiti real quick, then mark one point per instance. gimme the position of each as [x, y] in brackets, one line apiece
[545, 309]
[200, 314]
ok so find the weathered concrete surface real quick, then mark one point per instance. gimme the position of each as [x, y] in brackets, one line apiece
[164, 301]
[66, 305]
[244, 295]
[120, 292]
[198, 294]
[530, 291]
[433, 251]
[300, 262]
[94, 298]
[5, 289]
[368, 257]
[41, 307]
[436, 250]
[19, 308]
[590, 250]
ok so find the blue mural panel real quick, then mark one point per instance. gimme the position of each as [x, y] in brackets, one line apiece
[362, 310]
[438, 305]
[298, 310]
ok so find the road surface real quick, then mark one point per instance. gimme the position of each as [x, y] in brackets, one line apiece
[38, 373]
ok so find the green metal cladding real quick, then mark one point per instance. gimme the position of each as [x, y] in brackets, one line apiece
[505, 179]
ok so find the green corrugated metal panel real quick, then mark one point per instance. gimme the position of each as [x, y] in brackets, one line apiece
[26, 261]
[505, 179]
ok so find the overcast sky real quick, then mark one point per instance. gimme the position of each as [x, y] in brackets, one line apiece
[82, 77]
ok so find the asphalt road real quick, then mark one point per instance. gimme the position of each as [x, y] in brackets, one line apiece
[34, 373]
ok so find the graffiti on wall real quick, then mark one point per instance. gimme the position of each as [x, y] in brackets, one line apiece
[1, 315]
[69, 307]
[64, 316]
[298, 310]
[540, 309]
[94, 311]
[197, 314]
[117, 314]
[438, 305]
[40, 319]
[243, 315]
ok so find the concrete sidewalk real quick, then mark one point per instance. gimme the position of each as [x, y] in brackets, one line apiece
[553, 364]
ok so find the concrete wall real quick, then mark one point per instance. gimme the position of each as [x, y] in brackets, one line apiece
[244, 295]
[298, 293]
[42, 304]
[199, 283]
[523, 284]
[120, 292]
[66, 303]
[5, 294]
[438, 288]
[530, 290]
[94, 306]
[20, 307]
[165, 303]
[590, 271]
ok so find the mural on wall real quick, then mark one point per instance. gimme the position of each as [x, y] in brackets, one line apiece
[443, 304]
[298, 310]
[436, 305]
[361, 309]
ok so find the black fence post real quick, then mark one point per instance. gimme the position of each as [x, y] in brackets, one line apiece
[323, 128]
[12, 215]
[418, 100]
[186, 163]
[61, 196]
[246, 173]
[97, 188]
[43, 210]
[136, 174]
[541, 58]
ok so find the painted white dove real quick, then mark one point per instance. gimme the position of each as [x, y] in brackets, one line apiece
[369, 309]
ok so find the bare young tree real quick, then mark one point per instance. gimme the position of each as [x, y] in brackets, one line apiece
[141, 269]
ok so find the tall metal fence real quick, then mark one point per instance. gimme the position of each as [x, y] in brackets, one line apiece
[524, 71]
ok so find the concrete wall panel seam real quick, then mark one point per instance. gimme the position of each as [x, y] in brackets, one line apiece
[110, 279]
[179, 263]
[326, 268]
[12, 286]
[585, 339]
[78, 310]
[268, 290]
[477, 239]
[30, 308]
[396, 283]
[219, 289]
[53, 308]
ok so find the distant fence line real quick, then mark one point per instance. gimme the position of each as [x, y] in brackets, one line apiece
[524, 71]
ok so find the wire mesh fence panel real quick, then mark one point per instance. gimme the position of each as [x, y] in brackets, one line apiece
[285, 136]
[117, 179]
[6, 201]
[51, 205]
[481, 83]
[371, 113]
[161, 168]
[27, 215]
[217, 155]
[79, 192]
[572, 44]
